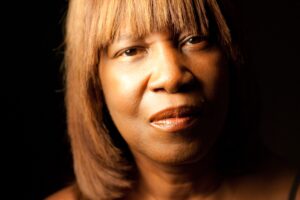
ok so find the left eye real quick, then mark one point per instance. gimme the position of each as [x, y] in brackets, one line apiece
[195, 39]
[194, 43]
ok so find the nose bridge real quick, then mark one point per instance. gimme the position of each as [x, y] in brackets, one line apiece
[168, 57]
[168, 71]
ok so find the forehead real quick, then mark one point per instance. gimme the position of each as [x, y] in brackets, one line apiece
[126, 34]
[141, 17]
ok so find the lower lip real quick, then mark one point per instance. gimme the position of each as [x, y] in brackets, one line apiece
[175, 124]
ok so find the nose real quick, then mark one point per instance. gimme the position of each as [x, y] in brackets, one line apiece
[169, 73]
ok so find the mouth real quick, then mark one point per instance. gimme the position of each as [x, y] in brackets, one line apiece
[176, 119]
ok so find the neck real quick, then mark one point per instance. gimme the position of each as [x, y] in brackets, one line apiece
[187, 181]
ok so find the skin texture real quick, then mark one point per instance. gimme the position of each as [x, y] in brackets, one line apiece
[142, 76]
[273, 181]
[155, 73]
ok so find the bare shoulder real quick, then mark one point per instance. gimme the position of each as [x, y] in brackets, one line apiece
[67, 193]
[279, 179]
[275, 181]
[286, 182]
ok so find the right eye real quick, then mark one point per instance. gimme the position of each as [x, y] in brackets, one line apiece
[131, 52]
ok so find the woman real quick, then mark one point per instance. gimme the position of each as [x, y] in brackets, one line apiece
[155, 100]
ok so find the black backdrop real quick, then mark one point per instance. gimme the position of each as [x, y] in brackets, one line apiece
[37, 107]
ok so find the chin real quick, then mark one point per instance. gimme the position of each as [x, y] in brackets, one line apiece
[179, 154]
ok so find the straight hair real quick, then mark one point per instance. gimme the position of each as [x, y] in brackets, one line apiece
[102, 163]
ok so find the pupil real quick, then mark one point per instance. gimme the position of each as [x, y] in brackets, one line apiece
[130, 52]
[194, 40]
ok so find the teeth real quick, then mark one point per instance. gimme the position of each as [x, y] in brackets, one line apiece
[166, 122]
[172, 121]
[174, 124]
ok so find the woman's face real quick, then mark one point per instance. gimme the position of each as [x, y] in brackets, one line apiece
[168, 96]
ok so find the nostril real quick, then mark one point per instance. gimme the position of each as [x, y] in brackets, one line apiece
[169, 72]
[183, 82]
[188, 86]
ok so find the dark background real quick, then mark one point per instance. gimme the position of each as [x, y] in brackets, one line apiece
[36, 107]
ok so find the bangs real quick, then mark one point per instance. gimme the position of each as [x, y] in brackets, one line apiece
[142, 17]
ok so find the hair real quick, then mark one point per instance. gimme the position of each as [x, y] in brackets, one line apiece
[102, 163]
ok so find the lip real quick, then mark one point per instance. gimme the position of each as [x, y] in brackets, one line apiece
[176, 119]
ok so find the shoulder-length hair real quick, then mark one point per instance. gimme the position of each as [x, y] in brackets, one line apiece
[102, 163]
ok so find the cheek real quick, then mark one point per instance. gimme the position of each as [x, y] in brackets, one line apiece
[122, 90]
[118, 90]
[217, 83]
[212, 72]
[118, 95]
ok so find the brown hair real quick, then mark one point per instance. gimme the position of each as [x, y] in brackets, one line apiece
[102, 168]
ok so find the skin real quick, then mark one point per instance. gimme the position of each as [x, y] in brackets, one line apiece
[143, 76]
[270, 183]
[140, 77]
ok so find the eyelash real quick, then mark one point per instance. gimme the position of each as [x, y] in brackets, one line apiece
[136, 50]
[199, 39]
[140, 49]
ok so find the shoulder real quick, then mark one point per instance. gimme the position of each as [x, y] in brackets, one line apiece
[282, 182]
[275, 181]
[67, 193]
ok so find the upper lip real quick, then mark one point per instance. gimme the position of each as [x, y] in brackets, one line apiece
[176, 112]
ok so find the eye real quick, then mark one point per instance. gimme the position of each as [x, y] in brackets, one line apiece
[131, 52]
[194, 40]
